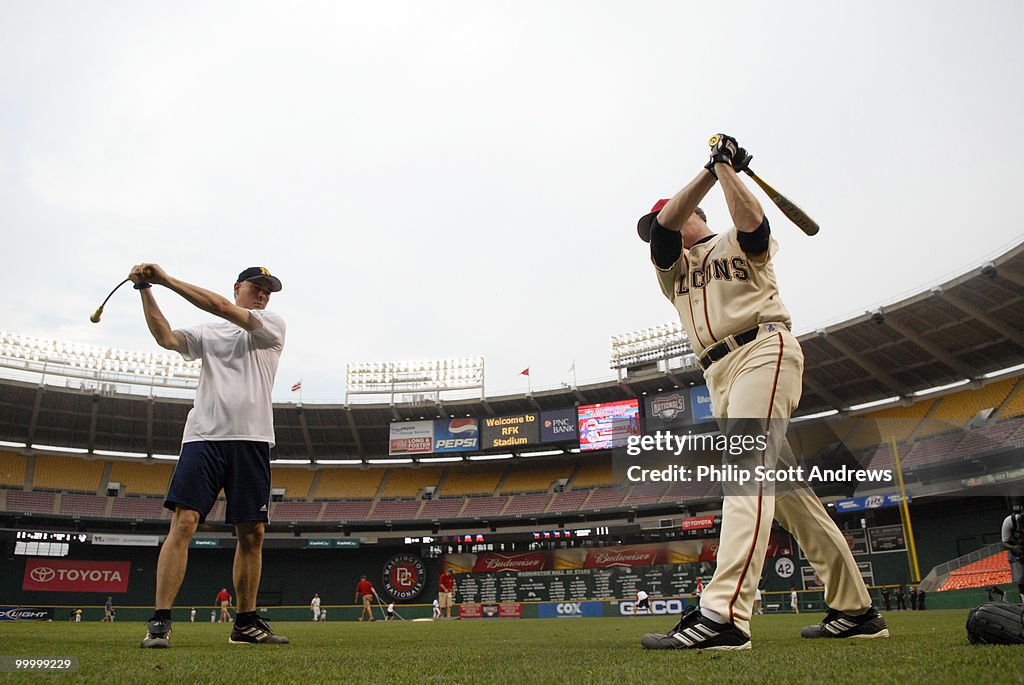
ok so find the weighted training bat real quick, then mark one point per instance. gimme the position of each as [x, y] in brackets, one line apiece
[95, 318]
[792, 212]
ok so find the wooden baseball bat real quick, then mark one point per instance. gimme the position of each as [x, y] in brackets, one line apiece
[792, 212]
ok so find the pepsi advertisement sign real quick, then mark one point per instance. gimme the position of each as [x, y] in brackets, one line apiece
[456, 435]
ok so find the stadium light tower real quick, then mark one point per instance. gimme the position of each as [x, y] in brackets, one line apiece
[662, 342]
[22, 355]
[415, 381]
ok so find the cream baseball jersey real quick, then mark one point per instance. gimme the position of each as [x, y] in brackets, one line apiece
[719, 290]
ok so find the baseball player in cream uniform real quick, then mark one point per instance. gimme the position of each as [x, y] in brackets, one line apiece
[725, 291]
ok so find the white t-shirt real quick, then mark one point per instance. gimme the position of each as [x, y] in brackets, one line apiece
[757, 594]
[391, 607]
[315, 603]
[641, 595]
[233, 397]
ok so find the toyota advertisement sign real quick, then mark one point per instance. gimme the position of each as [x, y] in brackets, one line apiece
[63, 575]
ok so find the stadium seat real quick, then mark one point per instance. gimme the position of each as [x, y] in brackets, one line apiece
[881, 426]
[594, 471]
[348, 483]
[12, 470]
[534, 477]
[295, 481]
[69, 474]
[444, 508]
[992, 570]
[138, 478]
[408, 482]
[469, 480]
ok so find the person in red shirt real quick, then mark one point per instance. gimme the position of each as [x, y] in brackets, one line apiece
[224, 599]
[365, 590]
[446, 592]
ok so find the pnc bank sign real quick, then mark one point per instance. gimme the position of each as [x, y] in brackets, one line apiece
[65, 575]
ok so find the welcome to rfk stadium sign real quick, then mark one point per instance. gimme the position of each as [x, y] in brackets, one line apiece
[63, 575]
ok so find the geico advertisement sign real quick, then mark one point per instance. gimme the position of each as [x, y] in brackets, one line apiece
[62, 575]
[659, 607]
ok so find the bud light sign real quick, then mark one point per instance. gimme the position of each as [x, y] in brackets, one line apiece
[10, 613]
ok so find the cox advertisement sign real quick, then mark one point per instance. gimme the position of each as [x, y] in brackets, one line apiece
[63, 575]
[659, 607]
[570, 609]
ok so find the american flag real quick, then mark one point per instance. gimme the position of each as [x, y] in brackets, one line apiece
[297, 387]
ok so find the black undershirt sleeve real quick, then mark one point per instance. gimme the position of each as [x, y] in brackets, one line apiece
[755, 242]
[666, 245]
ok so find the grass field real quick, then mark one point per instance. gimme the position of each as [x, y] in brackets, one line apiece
[926, 647]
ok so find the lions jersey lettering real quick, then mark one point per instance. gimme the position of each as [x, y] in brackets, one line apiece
[717, 271]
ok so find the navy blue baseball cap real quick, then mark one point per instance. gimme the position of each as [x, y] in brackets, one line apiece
[260, 273]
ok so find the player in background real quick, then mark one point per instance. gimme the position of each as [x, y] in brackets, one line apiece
[224, 600]
[389, 613]
[192, 615]
[365, 593]
[724, 289]
[758, 606]
[108, 610]
[446, 592]
[643, 601]
[227, 438]
[314, 606]
[437, 609]
[1012, 535]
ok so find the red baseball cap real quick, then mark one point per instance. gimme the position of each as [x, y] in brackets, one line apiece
[646, 223]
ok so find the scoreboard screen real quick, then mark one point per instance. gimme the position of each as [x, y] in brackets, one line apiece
[607, 425]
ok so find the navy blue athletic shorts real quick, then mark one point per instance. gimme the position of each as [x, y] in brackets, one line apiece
[240, 467]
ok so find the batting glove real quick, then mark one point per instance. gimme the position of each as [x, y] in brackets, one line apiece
[723, 149]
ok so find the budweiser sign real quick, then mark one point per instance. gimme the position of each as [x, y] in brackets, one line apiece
[63, 575]
[510, 562]
[613, 557]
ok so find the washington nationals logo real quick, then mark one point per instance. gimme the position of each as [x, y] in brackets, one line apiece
[404, 576]
[43, 574]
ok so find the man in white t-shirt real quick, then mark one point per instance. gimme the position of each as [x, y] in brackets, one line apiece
[227, 439]
[315, 607]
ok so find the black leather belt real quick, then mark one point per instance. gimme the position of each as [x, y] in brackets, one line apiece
[721, 348]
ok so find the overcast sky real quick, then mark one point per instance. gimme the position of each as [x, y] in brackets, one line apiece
[437, 179]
